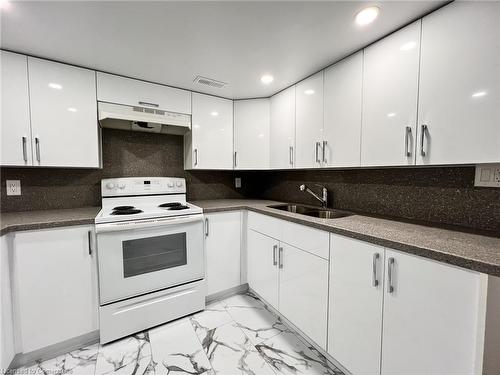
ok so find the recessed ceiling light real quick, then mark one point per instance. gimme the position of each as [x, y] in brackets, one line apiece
[479, 94]
[266, 79]
[214, 113]
[309, 92]
[4, 4]
[408, 46]
[367, 15]
[71, 109]
[56, 86]
[392, 114]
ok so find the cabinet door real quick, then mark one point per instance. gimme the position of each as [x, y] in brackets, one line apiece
[432, 306]
[56, 285]
[355, 313]
[282, 139]
[342, 134]
[63, 115]
[251, 134]
[460, 85]
[303, 291]
[309, 122]
[390, 86]
[262, 254]
[222, 246]
[212, 133]
[15, 127]
[122, 90]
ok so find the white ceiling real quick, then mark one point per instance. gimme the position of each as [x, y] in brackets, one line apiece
[172, 42]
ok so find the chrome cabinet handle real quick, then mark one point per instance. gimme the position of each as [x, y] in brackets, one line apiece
[376, 257]
[407, 141]
[89, 237]
[148, 104]
[291, 155]
[235, 156]
[281, 258]
[37, 148]
[207, 231]
[390, 270]
[318, 144]
[275, 249]
[324, 151]
[195, 157]
[25, 152]
[422, 138]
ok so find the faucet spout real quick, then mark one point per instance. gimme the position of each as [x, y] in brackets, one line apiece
[324, 194]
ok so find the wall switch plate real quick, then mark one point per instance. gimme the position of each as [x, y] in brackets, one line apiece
[487, 175]
[13, 187]
[237, 182]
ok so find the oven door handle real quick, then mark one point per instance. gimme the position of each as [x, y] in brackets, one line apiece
[147, 223]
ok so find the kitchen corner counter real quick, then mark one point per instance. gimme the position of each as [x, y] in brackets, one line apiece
[28, 220]
[472, 251]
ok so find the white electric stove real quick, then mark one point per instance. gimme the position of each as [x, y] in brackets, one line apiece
[150, 252]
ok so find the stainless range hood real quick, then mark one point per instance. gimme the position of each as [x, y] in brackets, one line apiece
[149, 120]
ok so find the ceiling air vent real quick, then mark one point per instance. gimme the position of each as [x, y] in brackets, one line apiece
[209, 82]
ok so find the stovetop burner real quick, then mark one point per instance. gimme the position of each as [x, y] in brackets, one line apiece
[130, 211]
[171, 204]
[121, 208]
[181, 207]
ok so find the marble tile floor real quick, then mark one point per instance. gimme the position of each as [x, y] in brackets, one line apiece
[238, 335]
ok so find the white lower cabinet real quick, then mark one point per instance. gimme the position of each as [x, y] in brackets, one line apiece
[223, 249]
[292, 280]
[303, 291]
[262, 263]
[55, 285]
[401, 314]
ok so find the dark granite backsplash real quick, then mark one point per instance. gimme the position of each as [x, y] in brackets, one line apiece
[439, 195]
[125, 154]
[444, 195]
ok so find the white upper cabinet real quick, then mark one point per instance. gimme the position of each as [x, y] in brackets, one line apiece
[209, 145]
[128, 91]
[282, 134]
[343, 93]
[251, 134]
[459, 99]
[63, 115]
[390, 86]
[15, 127]
[309, 122]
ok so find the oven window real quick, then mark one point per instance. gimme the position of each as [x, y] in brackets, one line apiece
[154, 254]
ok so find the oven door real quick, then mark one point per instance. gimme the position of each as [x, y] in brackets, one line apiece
[147, 255]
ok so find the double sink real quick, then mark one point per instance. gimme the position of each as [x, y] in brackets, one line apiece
[322, 213]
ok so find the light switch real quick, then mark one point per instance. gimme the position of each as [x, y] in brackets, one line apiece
[487, 175]
[13, 187]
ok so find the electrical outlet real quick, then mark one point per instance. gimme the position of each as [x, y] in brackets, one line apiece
[13, 187]
[237, 182]
[487, 175]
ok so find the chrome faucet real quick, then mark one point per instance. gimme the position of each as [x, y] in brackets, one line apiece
[323, 199]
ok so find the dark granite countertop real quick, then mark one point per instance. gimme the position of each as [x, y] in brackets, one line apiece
[27, 220]
[472, 251]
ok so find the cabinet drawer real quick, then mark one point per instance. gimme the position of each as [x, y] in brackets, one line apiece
[306, 238]
[121, 90]
[266, 225]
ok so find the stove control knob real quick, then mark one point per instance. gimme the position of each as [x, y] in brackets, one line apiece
[170, 184]
[179, 183]
[110, 185]
[121, 186]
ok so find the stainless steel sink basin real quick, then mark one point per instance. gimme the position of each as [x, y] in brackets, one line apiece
[322, 213]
